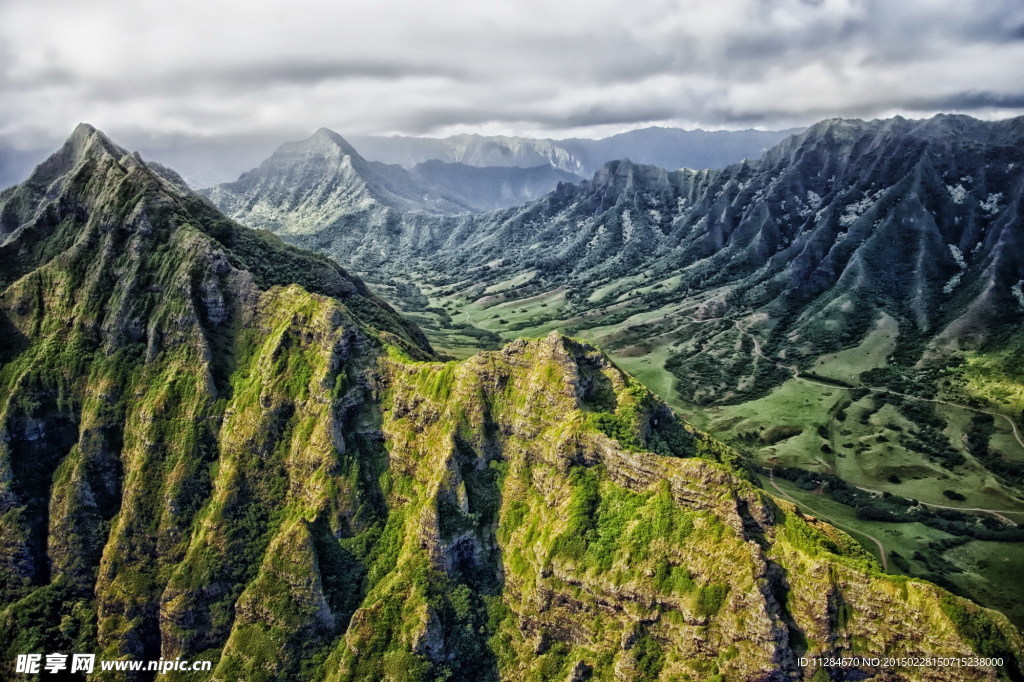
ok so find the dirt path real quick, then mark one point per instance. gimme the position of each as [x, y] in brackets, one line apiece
[878, 543]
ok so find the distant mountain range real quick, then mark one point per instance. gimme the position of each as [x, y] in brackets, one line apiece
[666, 147]
[920, 220]
[322, 179]
[204, 162]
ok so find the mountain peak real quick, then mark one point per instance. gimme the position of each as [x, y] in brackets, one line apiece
[84, 144]
[86, 138]
[622, 174]
[610, 169]
[82, 131]
[327, 137]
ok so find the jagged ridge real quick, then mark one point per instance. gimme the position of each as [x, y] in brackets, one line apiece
[849, 220]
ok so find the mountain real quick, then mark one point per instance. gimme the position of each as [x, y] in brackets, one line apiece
[665, 147]
[468, 149]
[222, 448]
[211, 161]
[324, 179]
[674, 148]
[919, 220]
[326, 174]
[202, 161]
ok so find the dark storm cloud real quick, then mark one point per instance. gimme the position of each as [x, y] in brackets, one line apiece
[575, 67]
[622, 113]
[315, 71]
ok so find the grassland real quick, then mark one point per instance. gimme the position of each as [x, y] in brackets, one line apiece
[991, 574]
[617, 285]
[986, 377]
[847, 365]
[650, 369]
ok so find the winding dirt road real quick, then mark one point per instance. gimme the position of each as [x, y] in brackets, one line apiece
[998, 513]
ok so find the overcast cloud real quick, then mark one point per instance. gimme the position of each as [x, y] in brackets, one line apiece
[261, 70]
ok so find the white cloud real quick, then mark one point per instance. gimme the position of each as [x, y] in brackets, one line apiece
[214, 67]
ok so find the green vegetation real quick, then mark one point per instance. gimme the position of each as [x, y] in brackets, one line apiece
[985, 637]
[978, 438]
[581, 522]
[710, 599]
[650, 658]
[218, 447]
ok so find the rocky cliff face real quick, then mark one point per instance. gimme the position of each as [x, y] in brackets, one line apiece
[214, 446]
[604, 537]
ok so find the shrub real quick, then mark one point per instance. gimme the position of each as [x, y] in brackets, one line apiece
[710, 598]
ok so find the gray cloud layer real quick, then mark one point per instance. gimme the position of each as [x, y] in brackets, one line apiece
[577, 67]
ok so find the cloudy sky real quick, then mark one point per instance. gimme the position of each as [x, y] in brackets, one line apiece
[195, 68]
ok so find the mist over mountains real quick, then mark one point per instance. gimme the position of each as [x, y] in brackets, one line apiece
[208, 161]
[670, 148]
